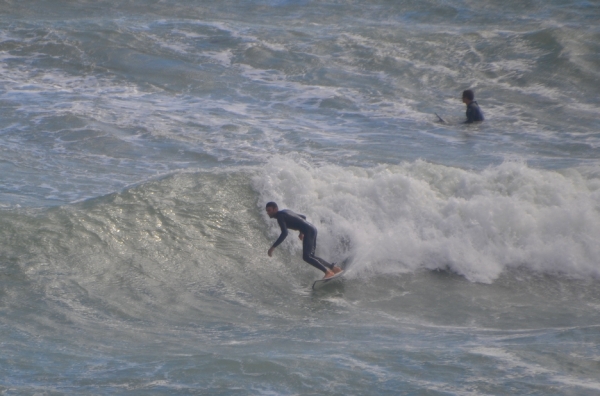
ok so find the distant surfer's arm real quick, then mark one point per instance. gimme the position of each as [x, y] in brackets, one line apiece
[469, 116]
[474, 113]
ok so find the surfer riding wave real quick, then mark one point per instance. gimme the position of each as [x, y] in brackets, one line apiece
[288, 219]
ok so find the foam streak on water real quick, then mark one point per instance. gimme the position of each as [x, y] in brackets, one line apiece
[140, 141]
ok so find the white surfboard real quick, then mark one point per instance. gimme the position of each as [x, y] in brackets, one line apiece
[319, 283]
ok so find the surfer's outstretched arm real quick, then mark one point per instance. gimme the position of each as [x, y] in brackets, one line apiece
[282, 236]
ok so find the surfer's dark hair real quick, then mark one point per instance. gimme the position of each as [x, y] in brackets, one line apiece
[271, 205]
[469, 94]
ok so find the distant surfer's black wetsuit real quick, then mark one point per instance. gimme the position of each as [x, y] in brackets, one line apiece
[288, 219]
[474, 113]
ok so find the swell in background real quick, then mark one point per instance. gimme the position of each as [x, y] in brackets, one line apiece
[97, 95]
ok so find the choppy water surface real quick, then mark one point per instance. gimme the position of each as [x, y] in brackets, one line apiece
[139, 141]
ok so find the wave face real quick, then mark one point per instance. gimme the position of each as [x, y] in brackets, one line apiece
[166, 286]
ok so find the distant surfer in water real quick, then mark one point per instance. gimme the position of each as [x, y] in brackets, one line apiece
[474, 113]
[308, 235]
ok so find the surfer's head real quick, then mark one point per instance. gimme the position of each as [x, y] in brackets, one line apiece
[468, 96]
[272, 209]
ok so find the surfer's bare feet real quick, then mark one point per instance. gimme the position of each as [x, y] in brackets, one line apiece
[328, 274]
[336, 269]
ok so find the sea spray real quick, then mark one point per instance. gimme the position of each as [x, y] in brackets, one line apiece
[403, 217]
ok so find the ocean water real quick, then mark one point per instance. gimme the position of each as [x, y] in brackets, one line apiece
[141, 139]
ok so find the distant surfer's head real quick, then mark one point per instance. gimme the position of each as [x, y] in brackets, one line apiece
[272, 209]
[468, 95]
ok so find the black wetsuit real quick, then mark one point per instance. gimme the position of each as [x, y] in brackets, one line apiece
[474, 113]
[288, 219]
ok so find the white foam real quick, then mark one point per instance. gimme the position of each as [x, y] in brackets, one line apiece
[397, 218]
